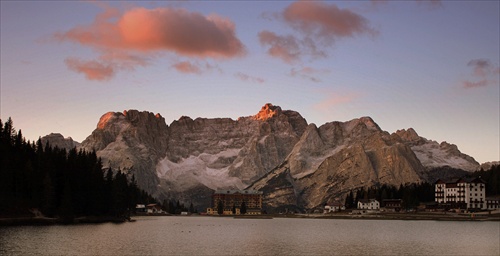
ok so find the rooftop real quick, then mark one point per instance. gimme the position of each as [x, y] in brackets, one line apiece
[245, 192]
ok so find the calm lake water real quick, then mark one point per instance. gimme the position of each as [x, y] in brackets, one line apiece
[279, 236]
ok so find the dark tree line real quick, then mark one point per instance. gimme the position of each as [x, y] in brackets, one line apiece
[59, 183]
[492, 179]
[411, 194]
[173, 206]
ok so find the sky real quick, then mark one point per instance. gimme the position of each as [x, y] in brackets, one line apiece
[429, 65]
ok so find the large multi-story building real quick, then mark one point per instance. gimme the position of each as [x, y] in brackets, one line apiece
[234, 199]
[462, 193]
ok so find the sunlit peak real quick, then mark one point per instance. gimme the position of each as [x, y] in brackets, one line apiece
[267, 111]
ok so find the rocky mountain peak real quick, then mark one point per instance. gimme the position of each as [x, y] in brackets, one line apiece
[359, 126]
[107, 119]
[409, 135]
[267, 111]
[58, 140]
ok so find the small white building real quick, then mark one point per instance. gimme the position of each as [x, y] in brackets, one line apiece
[140, 208]
[368, 204]
[334, 207]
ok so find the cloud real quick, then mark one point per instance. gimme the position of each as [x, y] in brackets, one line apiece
[245, 77]
[286, 48]
[485, 71]
[93, 70]
[481, 83]
[333, 99]
[187, 67]
[289, 48]
[317, 26]
[136, 36]
[194, 67]
[308, 73]
[325, 21]
[482, 67]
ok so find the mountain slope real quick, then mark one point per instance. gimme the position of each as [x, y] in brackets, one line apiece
[435, 155]
[335, 158]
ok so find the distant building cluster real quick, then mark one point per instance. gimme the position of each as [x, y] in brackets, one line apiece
[236, 202]
[468, 194]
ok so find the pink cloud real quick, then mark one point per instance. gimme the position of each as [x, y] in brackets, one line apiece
[245, 77]
[325, 21]
[176, 30]
[481, 83]
[333, 99]
[93, 70]
[187, 67]
[136, 36]
[483, 69]
[285, 48]
[194, 67]
[308, 73]
[318, 25]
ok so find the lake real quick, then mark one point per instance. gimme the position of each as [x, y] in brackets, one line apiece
[278, 236]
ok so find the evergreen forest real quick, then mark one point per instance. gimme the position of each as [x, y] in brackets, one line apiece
[60, 184]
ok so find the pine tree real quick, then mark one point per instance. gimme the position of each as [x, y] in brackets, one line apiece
[349, 200]
[243, 208]
[220, 207]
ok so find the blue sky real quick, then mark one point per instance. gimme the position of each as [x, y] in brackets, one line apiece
[429, 65]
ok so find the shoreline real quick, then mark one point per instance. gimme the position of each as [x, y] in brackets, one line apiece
[43, 221]
[399, 216]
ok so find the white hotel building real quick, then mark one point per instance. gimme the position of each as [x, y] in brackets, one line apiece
[463, 193]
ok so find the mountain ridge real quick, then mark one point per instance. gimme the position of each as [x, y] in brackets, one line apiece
[192, 157]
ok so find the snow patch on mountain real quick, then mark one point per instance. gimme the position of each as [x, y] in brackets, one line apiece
[432, 155]
[193, 170]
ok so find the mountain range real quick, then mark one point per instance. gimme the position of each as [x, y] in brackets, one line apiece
[276, 151]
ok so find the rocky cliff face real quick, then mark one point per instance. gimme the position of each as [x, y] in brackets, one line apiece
[132, 142]
[190, 158]
[335, 158]
[276, 151]
[57, 140]
[225, 153]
